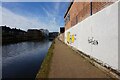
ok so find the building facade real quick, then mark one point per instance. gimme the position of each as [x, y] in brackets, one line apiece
[78, 11]
[92, 28]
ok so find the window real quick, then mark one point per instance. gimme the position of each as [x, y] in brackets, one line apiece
[67, 18]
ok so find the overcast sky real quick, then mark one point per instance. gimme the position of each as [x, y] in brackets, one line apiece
[37, 15]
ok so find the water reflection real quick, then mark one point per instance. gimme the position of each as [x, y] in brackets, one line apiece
[23, 60]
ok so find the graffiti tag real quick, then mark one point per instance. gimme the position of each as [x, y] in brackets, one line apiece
[70, 38]
[92, 41]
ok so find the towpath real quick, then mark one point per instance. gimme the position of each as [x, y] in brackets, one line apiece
[66, 63]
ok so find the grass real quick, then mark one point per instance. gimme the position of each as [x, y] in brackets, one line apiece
[44, 70]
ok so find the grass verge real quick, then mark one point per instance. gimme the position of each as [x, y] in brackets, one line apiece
[44, 70]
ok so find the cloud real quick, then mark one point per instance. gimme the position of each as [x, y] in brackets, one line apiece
[57, 7]
[13, 20]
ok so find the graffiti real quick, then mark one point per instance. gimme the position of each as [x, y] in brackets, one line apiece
[92, 41]
[70, 38]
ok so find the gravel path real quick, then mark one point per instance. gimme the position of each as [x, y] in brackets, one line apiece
[66, 63]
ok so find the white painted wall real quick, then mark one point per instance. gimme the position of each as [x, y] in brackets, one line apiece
[103, 26]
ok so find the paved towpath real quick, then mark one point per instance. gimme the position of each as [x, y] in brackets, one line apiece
[66, 63]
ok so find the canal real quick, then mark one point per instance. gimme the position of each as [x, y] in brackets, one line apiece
[23, 60]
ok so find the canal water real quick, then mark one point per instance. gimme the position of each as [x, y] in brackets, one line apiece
[23, 60]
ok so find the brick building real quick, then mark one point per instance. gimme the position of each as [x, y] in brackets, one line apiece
[92, 28]
[78, 11]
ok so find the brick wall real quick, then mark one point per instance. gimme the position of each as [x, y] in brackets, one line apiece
[97, 6]
[76, 13]
[81, 10]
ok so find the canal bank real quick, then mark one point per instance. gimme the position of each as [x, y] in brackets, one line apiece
[63, 62]
[45, 67]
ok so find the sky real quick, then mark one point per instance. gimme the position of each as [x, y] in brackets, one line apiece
[34, 15]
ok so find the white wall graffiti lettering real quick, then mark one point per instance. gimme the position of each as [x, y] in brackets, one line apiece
[92, 41]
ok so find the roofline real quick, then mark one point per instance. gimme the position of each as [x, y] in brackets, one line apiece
[68, 8]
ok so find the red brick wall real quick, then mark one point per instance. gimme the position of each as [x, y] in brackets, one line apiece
[81, 10]
[97, 6]
[75, 10]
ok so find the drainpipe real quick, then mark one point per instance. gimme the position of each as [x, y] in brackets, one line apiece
[91, 7]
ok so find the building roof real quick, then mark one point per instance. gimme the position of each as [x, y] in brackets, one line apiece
[68, 8]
